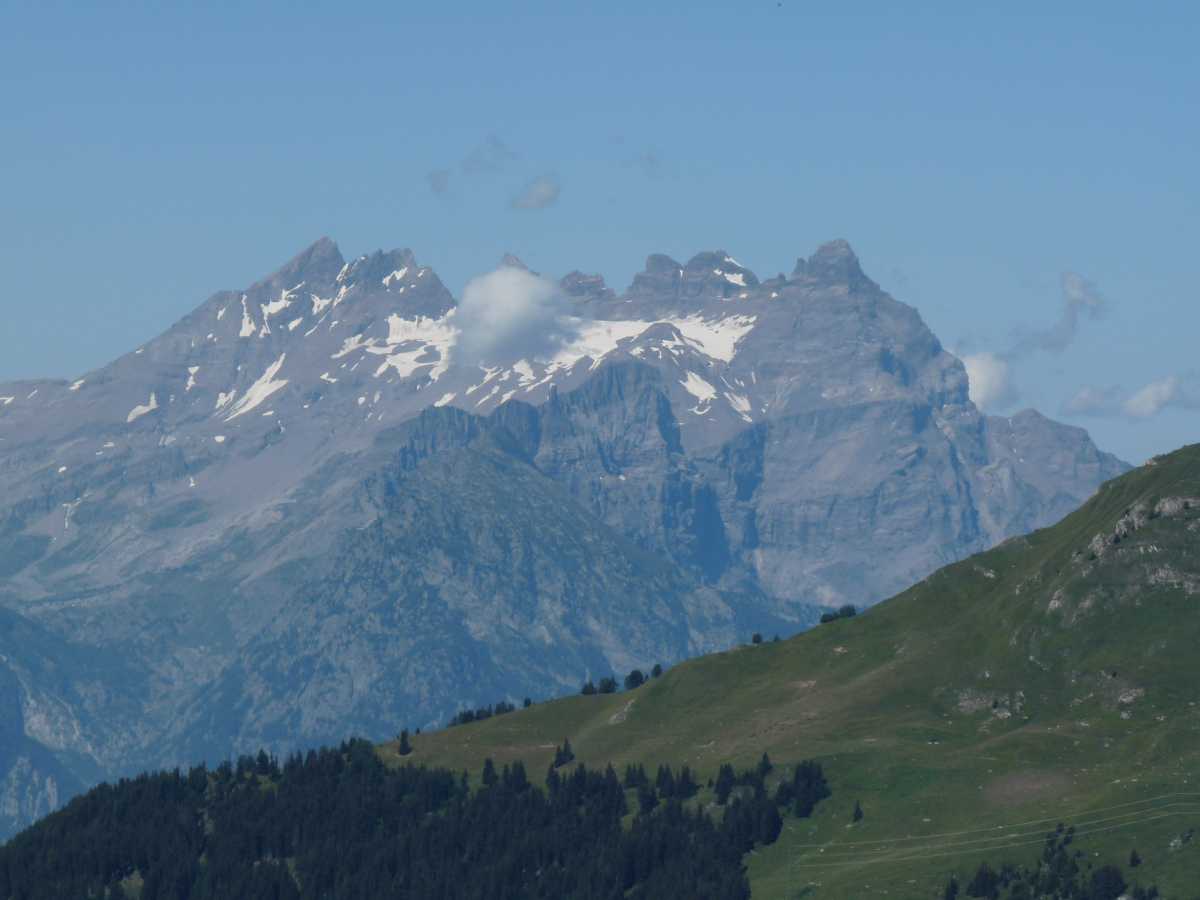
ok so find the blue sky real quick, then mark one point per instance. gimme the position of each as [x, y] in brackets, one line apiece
[152, 154]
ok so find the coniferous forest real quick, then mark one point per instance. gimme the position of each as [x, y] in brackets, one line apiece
[338, 823]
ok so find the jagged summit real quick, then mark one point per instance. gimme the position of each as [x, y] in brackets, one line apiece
[510, 261]
[585, 287]
[712, 273]
[833, 263]
[318, 262]
[661, 274]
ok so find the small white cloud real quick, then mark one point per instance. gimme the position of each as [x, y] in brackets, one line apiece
[1094, 401]
[1151, 399]
[543, 191]
[989, 381]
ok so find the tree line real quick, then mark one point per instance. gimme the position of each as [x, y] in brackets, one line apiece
[1061, 873]
[338, 823]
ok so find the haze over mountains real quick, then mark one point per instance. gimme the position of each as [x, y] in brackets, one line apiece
[341, 501]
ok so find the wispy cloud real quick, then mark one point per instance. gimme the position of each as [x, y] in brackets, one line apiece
[488, 158]
[543, 191]
[1145, 402]
[439, 180]
[1081, 301]
[991, 374]
[649, 163]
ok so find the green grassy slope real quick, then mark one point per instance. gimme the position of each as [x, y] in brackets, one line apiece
[1054, 678]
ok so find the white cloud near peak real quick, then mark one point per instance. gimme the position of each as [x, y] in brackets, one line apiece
[511, 313]
[989, 379]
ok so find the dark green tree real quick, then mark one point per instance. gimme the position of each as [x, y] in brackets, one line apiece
[756, 638]
[1135, 859]
[986, 883]
[725, 783]
[489, 773]
[858, 813]
[1107, 884]
[656, 671]
[634, 680]
[764, 766]
[647, 799]
[405, 747]
[608, 685]
[563, 754]
[588, 688]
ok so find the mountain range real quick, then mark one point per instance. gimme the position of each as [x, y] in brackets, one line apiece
[316, 507]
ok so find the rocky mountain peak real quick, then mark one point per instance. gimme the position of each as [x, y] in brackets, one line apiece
[585, 287]
[707, 275]
[510, 261]
[395, 281]
[661, 275]
[717, 273]
[318, 263]
[833, 263]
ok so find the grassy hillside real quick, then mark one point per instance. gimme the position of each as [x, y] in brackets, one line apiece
[1054, 678]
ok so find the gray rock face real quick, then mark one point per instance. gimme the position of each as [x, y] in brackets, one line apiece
[297, 514]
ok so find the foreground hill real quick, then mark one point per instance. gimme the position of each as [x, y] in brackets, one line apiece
[1053, 679]
[1050, 682]
[310, 509]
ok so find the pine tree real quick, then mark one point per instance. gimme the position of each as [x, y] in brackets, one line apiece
[563, 754]
[489, 772]
[725, 783]
[858, 813]
[405, 747]
[647, 799]
[656, 671]
[764, 766]
[1135, 859]
[588, 688]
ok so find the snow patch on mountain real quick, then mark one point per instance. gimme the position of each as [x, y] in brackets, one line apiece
[144, 409]
[278, 306]
[247, 322]
[704, 392]
[431, 336]
[258, 392]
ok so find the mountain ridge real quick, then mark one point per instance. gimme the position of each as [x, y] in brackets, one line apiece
[774, 446]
